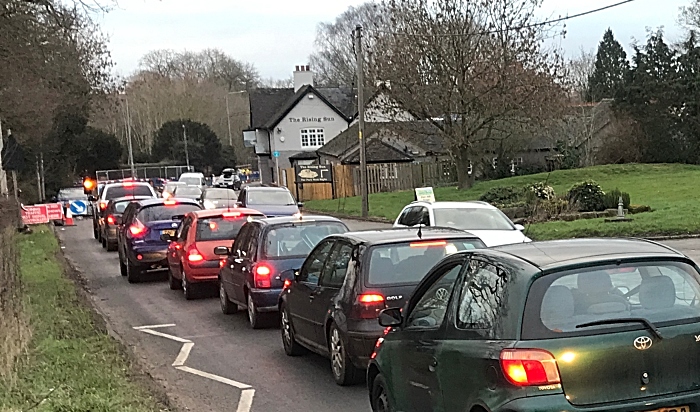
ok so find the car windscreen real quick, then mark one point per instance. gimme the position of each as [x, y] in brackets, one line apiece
[663, 293]
[114, 192]
[227, 173]
[270, 197]
[164, 212]
[409, 262]
[222, 228]
[71, 194]
[188, 191]
[298, 239]
[191, 181]
[472, 219]
[220, 194]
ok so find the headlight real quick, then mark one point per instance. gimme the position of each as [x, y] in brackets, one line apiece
[208, 204]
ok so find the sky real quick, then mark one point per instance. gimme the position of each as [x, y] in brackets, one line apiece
[276, 35]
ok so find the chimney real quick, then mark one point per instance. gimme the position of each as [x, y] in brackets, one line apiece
[302, 76]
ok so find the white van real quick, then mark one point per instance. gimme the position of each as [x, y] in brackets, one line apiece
[193, 179]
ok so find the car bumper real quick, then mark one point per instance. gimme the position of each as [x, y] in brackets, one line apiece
[111, 234]
[266, 300]
[205, 272]
[558, 402]
[361, 345]
[151, 258]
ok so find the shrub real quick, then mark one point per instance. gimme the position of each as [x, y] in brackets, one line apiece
[502, 196]
[551, 208]
[612, 199]
[540, 190]
[639, 208]
[587, 196]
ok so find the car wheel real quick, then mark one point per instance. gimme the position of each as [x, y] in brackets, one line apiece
[291, 346]
[94, 231]
[227, 307]
[344, 372]
[379, 395]
[172, 282]
[111, 246]
[188, 289]
[104, 242]
[133, 274]
[255, 318]
[122, 266]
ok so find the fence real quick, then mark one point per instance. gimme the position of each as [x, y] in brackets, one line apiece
[385, 177]
[145, 172]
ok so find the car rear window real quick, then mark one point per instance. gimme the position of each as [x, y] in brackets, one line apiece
[222, 228]
[472, 219]
[409, 262]
[662, 292]
[187, 191]
[119, 207]
[165, 212]
[114, 192]
[298, 239]
[270, 197]
[192, 181]
[220, 194]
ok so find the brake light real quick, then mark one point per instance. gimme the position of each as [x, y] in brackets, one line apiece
[369, 305]
[128, 184]
[193, 255]
[103, 205]
[170, 202]
[232, 214]
[287, 283]
[529, 367]
[262, 276]
[137, 229]
[429, 243]
[111, 220]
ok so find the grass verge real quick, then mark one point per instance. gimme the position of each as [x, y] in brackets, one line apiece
[71, 364]
[670, 189]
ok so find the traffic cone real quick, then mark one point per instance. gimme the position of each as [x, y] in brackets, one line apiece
[69, 218]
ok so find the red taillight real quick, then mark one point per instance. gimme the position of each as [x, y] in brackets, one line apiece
[137, 229]
[222, 263]
[369, 305]
[103, 205]
[111, 220]
[262, 276]
[429, 243]
[232, 215]
[529, 367]
[193, 255]
[287, 283]
[170, 202]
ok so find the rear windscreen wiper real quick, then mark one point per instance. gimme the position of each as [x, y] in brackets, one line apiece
[646, 322]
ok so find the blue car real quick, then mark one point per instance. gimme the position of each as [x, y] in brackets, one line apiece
[142, 236]
[272, 201]
[252, 275]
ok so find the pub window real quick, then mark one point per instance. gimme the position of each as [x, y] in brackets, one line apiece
[312, 138]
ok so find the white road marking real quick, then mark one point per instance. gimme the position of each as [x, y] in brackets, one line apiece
[184, 354]
[245, 402]
[165, 325]
[213, 377]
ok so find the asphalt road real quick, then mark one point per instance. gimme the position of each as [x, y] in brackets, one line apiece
[223, 345]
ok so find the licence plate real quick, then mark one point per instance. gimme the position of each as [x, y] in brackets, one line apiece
[674, 409]
[168, 232]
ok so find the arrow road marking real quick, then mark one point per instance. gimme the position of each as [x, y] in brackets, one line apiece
[245, 402]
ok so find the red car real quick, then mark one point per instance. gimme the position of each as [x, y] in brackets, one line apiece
[191, 258]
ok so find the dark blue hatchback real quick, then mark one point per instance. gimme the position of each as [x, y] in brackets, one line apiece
[140, 235]
[252, 274]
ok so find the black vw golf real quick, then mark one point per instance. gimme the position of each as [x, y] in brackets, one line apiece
[332, 304]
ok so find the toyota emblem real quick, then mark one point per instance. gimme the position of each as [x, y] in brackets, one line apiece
[642, 342]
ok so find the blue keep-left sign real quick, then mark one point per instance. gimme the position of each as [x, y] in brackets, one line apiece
[78, 207]
[275, 154]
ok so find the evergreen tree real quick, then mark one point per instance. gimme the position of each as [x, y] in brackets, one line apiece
[203, 146]
[610, 71]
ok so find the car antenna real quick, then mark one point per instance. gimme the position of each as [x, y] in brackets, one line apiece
[534, 209]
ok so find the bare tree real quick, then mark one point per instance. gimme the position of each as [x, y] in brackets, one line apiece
[476, 70]
[579, 70]
[690, 15]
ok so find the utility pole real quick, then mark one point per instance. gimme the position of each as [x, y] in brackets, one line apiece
[3, 174]
[43, 176]
[361, 123]
[187, 153]
[228, 121]
[38, 178]
[128, 137]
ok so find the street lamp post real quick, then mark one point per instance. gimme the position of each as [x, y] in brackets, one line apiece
[128, 137]
[187, 153]
[228, 117]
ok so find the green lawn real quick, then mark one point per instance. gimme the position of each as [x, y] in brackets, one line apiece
[71, 365]
[670, 189]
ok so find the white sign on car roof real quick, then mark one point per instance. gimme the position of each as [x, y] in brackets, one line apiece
[425, 194]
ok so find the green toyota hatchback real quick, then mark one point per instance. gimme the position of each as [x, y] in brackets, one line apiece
[572, 325]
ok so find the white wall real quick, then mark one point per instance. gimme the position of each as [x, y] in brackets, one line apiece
[384, 109]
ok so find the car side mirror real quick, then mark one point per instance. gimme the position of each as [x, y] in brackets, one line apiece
[300, 204]
[91, 198]
[222, 251]
[166, 237]
[520, 227]
[390, 317]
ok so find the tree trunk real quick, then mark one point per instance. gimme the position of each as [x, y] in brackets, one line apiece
[465, 180]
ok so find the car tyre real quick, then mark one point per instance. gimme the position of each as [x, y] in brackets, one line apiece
[256, 319]
[122, 267]
[188, 289]
[172, 281]
[133, 274]
[344, 372]
[111, 246]
[379, 395]
[94, 231]
[227, 307]
[104, 242]
[291, 346]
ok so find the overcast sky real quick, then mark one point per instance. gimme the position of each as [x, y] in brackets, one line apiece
[276, 35]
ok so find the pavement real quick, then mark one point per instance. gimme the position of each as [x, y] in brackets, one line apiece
[208, 361]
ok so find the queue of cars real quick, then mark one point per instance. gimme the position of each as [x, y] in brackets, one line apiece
[453, 309]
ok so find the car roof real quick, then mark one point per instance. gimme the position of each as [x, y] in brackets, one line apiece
[202, 214]
[127, 183]
[160, 201]
[129, 198]
[394, 235]
[474, 204]
[560, 253]
[271, 221]
[266, 188]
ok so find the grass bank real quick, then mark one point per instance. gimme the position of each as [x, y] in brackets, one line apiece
[71, 363]
[670, 189]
